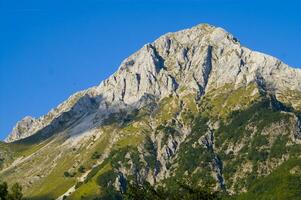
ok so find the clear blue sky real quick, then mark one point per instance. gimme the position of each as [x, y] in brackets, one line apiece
[50, 49]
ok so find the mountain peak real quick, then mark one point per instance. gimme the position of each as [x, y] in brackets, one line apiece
[193, 60]
[22, 129]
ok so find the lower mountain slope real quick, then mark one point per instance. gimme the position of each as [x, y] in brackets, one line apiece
[232, 139]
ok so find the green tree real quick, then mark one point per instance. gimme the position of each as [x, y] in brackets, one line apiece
[81, 169]
[66, 174]
[95, 155]
[16, 192]
[184, 192]
[3, 191]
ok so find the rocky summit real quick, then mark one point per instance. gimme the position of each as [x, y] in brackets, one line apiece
[194, 106]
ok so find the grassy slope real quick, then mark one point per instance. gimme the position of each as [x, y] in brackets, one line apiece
[130, 135]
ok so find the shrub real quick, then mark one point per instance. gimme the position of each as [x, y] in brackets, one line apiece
[66, 174]
[69, 174]
[105, 179]
[279, 147]
[78, 184]
[81, 169]
[95, 155]
[256, 155]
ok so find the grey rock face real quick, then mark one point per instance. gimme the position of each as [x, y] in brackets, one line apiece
[192, 60]
[76, 105]
[22, 129]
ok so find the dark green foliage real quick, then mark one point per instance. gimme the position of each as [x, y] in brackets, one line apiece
[260, 114]
[3, 190]
[78, 184]
[143, 192]
[192, 155]
[279, 147]
[94, 171]
[294, 150]
[1, 162]
[168, 131]
[125, 117]
[231, 167]
[238, 128]
[136, 159]
[14, 194]
[68, 174]
[259, 141]
[187, 117]
[106, 179]
[106, 182]
[109, 193]
[130, 117]
[190, 158]
[118, 157]
[184, 192]
[95, 155]
[151, 149]
[256, 155]
[81, 169]
[280, 184]
[199, 124]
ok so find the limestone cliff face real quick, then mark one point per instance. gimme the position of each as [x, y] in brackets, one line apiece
[196, 59]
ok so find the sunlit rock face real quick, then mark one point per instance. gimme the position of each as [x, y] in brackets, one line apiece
[197, 59]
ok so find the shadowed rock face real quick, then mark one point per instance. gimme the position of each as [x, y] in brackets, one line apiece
[196, 59]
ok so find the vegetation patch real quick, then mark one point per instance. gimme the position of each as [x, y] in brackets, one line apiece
[280, 184]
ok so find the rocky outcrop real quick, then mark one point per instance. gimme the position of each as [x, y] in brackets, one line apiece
[76, 106]
[22, 129]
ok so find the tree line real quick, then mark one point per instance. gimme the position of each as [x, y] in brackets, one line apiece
[146, 191]
[14, 193]
[183, 192]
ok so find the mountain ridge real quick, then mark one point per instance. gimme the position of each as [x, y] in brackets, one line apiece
[148, 51]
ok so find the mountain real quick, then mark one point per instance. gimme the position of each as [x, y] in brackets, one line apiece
[194, 105]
